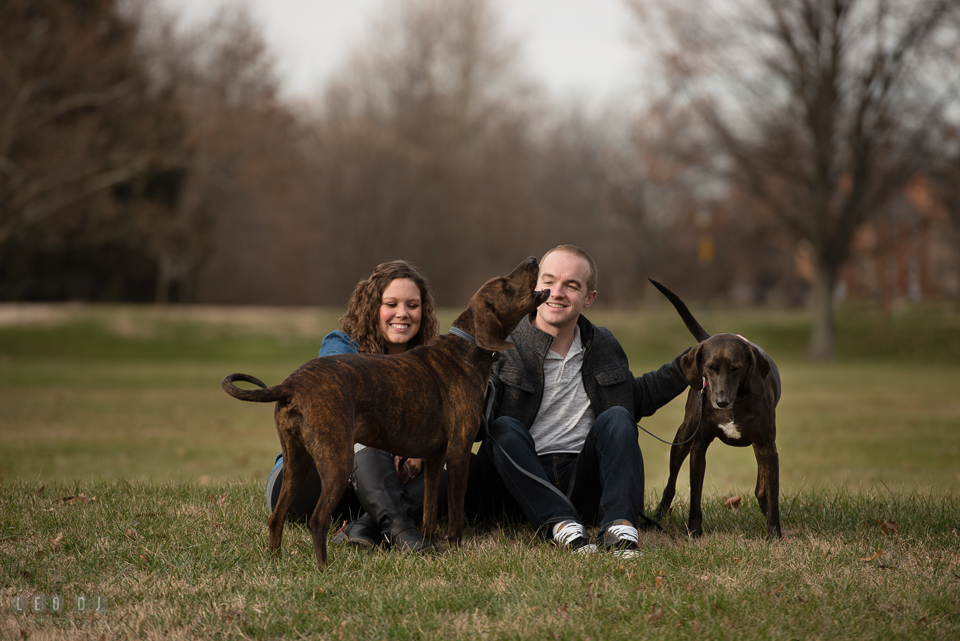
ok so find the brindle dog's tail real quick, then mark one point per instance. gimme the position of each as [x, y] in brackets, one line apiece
[698, 332]
[264, 395]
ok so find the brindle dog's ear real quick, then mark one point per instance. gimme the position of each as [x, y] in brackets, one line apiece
[493, 344]
[691, 363]
[489, 332]
[759, 368]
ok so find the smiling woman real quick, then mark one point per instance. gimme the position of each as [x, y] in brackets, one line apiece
[389, 312]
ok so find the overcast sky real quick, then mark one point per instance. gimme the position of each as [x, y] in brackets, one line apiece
[575, 47]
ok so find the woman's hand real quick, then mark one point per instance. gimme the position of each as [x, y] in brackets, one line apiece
[409, 469]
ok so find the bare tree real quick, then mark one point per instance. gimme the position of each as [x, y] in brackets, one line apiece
[77, 119]
[819, 109]
[946, 175]
[233, 235]
[422, 141]
[434, 146]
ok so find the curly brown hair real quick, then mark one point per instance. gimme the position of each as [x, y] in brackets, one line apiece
[361, 320]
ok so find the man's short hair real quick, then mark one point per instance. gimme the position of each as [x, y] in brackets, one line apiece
[582, 253]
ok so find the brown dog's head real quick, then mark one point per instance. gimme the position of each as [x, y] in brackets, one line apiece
[497, 307]
[726, 363]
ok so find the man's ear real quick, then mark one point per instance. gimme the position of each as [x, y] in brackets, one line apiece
[590, 298]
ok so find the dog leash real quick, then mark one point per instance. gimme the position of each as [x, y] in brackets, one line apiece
[566, 499]
[403, 461]
[699, 422]
[534, 477]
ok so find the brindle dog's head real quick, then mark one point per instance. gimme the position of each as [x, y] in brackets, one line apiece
[729, 365]
[497, 307]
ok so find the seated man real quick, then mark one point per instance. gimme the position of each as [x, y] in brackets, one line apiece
[563, 415]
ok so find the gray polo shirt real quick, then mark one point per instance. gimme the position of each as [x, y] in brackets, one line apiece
[565, 415]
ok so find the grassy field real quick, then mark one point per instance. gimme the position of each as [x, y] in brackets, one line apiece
[122, 405]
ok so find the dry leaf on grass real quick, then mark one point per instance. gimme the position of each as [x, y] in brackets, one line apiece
[658, 582]
[655, 616]
[79, 498]
[57, 542]
[875, 556]
[888, 527]
[733, 502]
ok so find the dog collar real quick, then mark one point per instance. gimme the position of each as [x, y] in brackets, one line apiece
[456, 331]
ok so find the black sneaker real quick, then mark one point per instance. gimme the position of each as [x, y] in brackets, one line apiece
[620, 539]
[571, 536]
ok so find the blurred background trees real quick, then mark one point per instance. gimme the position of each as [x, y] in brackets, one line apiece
[785, 152]
[820, 111]
[91, 151]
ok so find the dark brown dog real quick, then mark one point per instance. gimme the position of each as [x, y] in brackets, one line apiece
[424, 403]
[734, 391]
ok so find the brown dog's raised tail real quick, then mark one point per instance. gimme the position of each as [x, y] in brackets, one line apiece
[698, 332]
[265, 395]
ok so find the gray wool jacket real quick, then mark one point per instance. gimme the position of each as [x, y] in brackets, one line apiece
[517, 376]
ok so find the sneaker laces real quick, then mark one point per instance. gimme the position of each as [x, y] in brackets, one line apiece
[567, 532]
[624, 533]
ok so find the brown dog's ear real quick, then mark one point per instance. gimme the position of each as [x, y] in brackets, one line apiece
[498, 346]
[759, 368]
[690, 364]
[489, 331]
[492, 343]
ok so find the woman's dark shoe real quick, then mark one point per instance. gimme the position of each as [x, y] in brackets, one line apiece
[362, 533]
[410, 540]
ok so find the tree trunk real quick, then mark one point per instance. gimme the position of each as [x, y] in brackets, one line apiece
[823, 341]
[162, 293]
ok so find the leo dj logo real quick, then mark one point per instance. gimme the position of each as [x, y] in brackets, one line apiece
[57, 604]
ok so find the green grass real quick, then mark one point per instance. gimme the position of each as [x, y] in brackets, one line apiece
[124, 404]
[178, 560]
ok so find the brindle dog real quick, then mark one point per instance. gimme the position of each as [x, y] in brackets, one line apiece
[734, 391]
[424, 403]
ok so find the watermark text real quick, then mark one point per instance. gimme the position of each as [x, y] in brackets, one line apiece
[58, 604]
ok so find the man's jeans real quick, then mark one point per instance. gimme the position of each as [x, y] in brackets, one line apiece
[604, 482]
